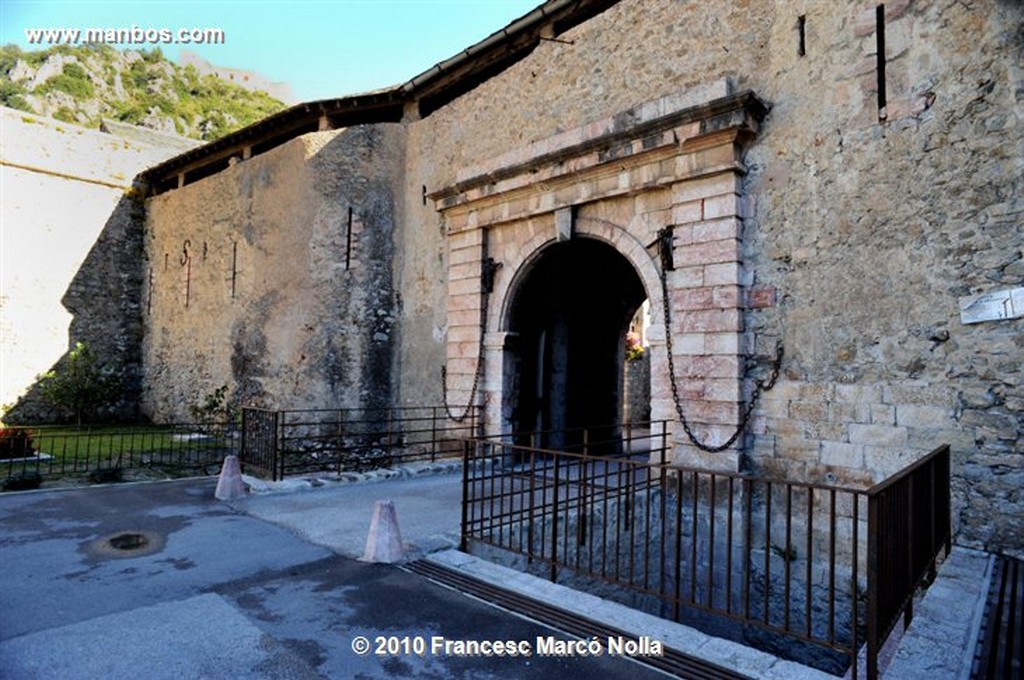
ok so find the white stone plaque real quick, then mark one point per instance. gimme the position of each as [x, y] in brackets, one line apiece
[995, 305]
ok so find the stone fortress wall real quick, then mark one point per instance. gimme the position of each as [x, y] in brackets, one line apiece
[845, 230]
[250, 80]
[71, 249]
[274, 278]
[862, 228]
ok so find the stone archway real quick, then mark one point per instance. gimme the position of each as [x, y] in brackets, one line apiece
[661, 186]
[566, 322]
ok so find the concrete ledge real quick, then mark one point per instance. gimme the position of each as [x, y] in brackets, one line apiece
[940, 640]
[303, 483]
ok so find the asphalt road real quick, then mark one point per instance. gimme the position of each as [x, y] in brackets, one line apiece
[210, 592]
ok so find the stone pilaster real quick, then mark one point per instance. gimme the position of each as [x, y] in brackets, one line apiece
[464, 315]
[705, 292]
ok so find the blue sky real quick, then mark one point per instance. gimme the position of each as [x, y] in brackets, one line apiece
[322, 48]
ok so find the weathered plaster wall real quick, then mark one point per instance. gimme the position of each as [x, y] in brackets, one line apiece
[859, 234]
[71, 254]
[274, 278]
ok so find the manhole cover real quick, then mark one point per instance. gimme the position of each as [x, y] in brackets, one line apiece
[127, 544]
[128, 541]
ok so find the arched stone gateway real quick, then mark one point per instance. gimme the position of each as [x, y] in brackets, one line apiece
[552, 247]
[567, 316]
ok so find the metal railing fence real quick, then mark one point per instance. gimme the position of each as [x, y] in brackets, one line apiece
[825, 568]
[291, 442]
[69, 451]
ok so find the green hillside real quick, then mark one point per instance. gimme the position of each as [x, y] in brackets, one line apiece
[85, 84]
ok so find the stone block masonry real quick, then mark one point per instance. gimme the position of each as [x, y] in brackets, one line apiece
[856, 229]
[857, 428]
[869, 228]
[498, 220]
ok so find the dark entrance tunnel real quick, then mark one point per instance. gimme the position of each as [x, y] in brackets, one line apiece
[567, 323]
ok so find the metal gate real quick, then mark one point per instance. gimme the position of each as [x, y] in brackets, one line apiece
[259, 450]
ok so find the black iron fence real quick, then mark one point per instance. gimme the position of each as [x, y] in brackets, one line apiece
[908, 526]
[259, 447]
[809, 571]
[103, 452]
[282, 443]
[270, 443]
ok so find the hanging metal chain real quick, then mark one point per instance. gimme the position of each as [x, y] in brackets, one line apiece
[488, 268]
[759, 387]
[476, 374]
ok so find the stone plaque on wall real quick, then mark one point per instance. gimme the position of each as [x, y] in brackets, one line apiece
[992, 306]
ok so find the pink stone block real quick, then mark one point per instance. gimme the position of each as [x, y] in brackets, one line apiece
[761, 297]
[710, 321]
[686, 213]
[722, 274]
[727, 205]
[689, 343]
[726, 297]
[458, 334]
[717, 230]
[465, 254]
[686, 277]
[458, 303]
[722, 389]
[467, 286]
[712, 412]
[706, 187]
[691, 299]
[710, 252]
[710, 366]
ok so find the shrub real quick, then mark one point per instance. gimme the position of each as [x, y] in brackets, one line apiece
[73, 80]
[15, 442]
[216, 414]
[11, 96]
[65, 114]
[80, 384]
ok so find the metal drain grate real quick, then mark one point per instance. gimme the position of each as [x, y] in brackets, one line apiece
[1000, 649]
[128, 541]
[673, 661]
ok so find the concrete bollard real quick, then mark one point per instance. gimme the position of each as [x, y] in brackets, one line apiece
[384, 542]
[230, 486]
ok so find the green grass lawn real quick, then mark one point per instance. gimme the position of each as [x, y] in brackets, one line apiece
[100, 446]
